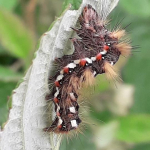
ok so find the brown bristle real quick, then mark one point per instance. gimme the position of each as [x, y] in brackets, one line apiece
[61, 132]
[48, 129]
[118, 34]
[68, 101]
[110, 71]
[124, 48]
[88, 77]
[75, 83]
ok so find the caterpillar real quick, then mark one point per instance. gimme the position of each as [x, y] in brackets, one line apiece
[96, 51]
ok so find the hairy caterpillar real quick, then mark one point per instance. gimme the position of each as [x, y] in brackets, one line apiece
[95, 52]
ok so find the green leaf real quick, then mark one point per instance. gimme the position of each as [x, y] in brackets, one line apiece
[8, 5]
[137, 69]
[142, 147]
[8, 75]
[138, 8]
[79, 142]
[74, 3]
[14, 36]
[5, 92]
[2, 50]
[134, 128]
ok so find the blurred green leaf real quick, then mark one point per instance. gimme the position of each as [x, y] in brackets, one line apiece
[8, 5]
[8, 75]
[102, 84]
[139, 8]
[14, 36]
[79, 142]
[5, 92]
[134, 128]
[2, 50]
[142, 147]
[137, 69]
[102, 117]
[74, 3]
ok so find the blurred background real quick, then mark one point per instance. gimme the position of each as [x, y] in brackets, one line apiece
[119, 116]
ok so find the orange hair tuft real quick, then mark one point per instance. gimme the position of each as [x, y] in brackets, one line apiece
[110, 71]
[88, 77]
[124, 48]
[118, 34]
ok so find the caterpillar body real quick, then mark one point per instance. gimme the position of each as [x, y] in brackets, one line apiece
[95, 52]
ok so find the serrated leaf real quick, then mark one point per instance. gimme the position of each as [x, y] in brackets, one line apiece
[134, 128]
[14, 36]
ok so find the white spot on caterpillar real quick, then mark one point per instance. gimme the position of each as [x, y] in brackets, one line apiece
[88, 60]
[72, 109]
[77, 61]
[93, 58]
[59, 121]
[112, 63]
[87, 25]
[96, 35]
[72, 96]
[71, 65]
[57, 92]
[103, 52]
[59, 77]
[94, 73]
[74, 123]
[61, 72]
[58, 107]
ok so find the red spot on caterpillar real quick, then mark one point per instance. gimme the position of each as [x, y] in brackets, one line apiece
[56, 100]
[60, 126]
[58, 114]
[57, 83]
[85, 9]
[70, 115]
[82, 62]
[66, 69]
[106, 47]
[99, 56]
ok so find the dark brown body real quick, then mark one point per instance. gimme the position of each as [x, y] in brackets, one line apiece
[96, 51]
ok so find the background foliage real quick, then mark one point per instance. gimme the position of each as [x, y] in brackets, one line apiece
[119, 117]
